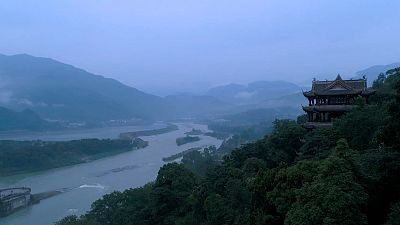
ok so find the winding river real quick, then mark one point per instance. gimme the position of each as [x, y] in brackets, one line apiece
[84, 183]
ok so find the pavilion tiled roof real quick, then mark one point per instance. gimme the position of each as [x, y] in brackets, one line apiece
[338, 87]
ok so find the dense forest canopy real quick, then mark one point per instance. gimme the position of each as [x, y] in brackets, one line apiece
[347, 174]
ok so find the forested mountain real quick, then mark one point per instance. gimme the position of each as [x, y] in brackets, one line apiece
[59, 91]
[348, 174]
[24, 120]
[254, 92]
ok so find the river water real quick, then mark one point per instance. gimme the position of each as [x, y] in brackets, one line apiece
[90, 181]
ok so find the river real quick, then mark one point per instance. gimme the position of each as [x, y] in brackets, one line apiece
[90, 181]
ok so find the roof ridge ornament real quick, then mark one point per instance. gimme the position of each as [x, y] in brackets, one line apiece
[338, 77]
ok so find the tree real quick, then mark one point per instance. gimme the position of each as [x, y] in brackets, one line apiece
[394, 215]
[361, 126]
[74, 220]
[198, 162]
[334, 197]
[172, 187]
[130, 207]
[391, 135]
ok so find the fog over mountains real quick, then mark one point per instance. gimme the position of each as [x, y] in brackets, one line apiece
[254, 92]
[52, 90]
[57, 91]
[62, 92]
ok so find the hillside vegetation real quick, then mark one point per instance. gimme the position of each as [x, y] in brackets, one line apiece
[348, 174]
[25, 120]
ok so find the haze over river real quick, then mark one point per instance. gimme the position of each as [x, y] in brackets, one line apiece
[85, 183]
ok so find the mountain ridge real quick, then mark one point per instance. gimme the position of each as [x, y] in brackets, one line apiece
[61, 91]
[254, 92]
[372, 72]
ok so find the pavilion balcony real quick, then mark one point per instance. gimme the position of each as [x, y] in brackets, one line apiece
[329, 108]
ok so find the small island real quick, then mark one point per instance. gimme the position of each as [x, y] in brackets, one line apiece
[184, 140]
[135, 134]
[194, 132]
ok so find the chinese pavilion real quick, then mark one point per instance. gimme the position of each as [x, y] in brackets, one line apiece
[329, 100]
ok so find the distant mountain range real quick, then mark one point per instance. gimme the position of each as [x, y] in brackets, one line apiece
[269, 94]
[187, 105]
[252, 93]
[59, 91]
[372, 72]
[34, 90]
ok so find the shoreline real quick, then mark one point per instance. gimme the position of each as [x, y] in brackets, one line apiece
[97, 178]
[134, 135]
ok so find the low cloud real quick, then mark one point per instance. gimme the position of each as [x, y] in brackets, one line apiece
[245, 94]
[5, 97]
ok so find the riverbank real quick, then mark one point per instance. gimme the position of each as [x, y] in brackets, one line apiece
[180, 154]
[88, 182]
[56, 154]
[18, 157]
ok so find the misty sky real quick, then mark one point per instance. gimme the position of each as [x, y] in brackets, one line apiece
[157, 45]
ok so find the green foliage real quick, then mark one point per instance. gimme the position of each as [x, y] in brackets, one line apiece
[171, 189]
[347, 175]
[334, 197]
[391, 135]
[199, 162]
[302, 119]
[128, 207]
[362, 126]
[74, 220]
[280, 146]
[394, 215]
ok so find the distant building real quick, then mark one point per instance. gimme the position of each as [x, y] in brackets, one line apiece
[12, 199]
[329, 100]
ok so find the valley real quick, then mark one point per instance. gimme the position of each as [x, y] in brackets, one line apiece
[89, 181]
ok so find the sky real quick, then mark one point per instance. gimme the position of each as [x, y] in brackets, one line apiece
[165, 46]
